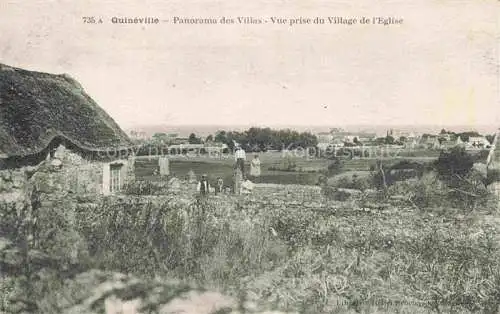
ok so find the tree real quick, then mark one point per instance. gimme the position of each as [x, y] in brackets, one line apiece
[193, 139]
[389, 140]
[209, 138]
[380, 140]
[454, 162]
[160, 137]
[220, 136]
[259, 139]
[335, 167]
[465, 135]
[490, 138]
[426, 135]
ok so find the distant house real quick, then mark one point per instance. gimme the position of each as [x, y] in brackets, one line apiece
[216, 147]
[430, 142]
[198, 149]
[478, 142]
[178, 140]
[48, 122]
[446, 137]
[408, 135]
[411, 143]
[138, 135]
[449, 140]
[337, 143]
[351, 137]
[185, 148]
[324, 137]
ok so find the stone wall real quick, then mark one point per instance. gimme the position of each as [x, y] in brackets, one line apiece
[13, 187]
[63, 174]
[68, 172]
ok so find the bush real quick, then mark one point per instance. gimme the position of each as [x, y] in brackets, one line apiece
[427, 192]
[492, 176]
[335, 167]
[354, 182]
[145, 188]
[454, 162]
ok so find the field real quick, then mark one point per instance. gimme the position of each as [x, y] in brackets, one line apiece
[223, 168]
[307, 170]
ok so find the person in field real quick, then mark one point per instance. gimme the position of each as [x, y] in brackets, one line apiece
[191, 176]
[255, 167]
[174, 183]
[238, 179]
[203, 186]
[240, 157]
[246, 186]
[219, 186]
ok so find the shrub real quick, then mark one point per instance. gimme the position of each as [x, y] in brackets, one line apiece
[492, 176]
[426, 192]
[354, 182]
[335, 167]
[454, 162]
[139, 187]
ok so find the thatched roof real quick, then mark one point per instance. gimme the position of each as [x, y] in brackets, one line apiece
[36, 108]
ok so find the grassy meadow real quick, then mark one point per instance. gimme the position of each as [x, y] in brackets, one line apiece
[306, 171]
[214, 168]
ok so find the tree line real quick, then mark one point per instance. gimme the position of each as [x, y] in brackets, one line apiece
[263, 139]
[464, 136]
[259, 139]
[254, 139]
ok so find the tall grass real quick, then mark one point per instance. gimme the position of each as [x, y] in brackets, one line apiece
[302, 259]
[193, 241]
[274, 249]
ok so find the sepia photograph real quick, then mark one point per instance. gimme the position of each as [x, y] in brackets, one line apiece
[238, 157]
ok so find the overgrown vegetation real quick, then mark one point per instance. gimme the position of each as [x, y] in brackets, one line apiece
[450, 181]
[304, 260]
[291, 250]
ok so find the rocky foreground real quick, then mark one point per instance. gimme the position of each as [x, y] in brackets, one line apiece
[114, 293]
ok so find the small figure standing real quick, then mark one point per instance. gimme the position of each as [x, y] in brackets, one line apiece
[191, 176]
[219, 186]
[164, 166]
[237, 178]
[174, 183]
[203, 185]
[255, 167]
[240, 157]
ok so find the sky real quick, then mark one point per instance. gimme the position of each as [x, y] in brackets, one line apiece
[439, 67]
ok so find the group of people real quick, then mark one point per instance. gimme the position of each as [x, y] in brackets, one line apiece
[242, 183]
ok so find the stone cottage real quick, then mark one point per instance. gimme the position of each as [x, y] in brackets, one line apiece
[53, 135]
